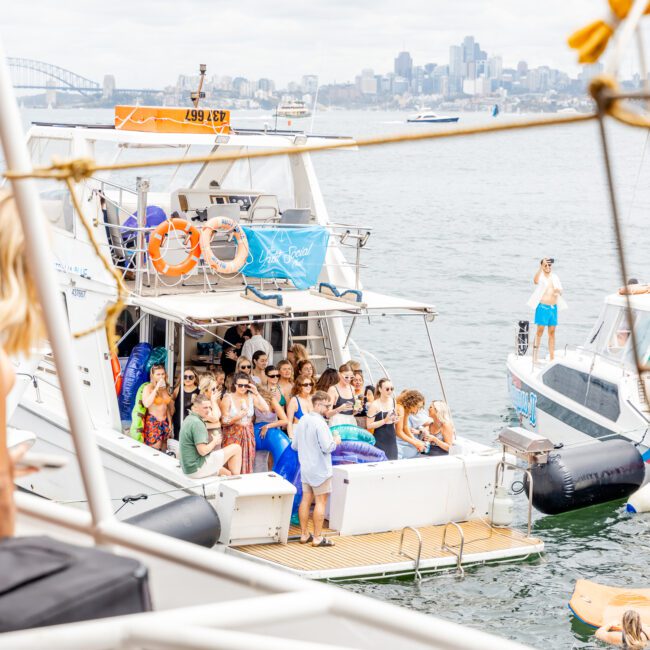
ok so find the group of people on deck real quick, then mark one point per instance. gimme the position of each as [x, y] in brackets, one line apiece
[222, 416]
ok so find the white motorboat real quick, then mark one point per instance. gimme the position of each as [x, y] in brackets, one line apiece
[432, 118]
[592, 391]
[293, 108]
[199, 598]
[277, 198]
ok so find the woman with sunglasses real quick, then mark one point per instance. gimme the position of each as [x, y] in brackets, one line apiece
[190, 387]
[382, 416]
[272, 384]
[260, 361]
[208, 387]
[342, 396]
[286, 379]
[300, 402]
[276, 418]
[237, 413]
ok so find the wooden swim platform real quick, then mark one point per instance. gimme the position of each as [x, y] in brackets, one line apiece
[376, 555]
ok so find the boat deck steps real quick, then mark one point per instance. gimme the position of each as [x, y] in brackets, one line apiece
[376, 555]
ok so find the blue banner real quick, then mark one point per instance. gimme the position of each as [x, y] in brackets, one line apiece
[296, 254]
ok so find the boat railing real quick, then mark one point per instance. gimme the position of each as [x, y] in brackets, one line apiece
[128, 245]
[570, 347]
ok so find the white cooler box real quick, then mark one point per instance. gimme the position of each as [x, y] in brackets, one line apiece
[254, 509]
[377, 497]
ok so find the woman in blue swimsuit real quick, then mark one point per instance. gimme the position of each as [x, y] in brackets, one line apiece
[300, 402]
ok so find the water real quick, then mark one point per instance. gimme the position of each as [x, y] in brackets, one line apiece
[462, 224]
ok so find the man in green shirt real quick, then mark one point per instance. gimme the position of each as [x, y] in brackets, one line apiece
[199, 456]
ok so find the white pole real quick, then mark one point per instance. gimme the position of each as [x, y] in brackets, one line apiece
[37, 247]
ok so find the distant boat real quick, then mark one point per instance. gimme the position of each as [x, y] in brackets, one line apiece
[431, 118]
[495, 110]
[568, 111]
[293, 108]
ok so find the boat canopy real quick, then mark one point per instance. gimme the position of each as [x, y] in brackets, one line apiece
[221, 308]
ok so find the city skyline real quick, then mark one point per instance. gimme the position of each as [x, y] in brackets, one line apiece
[333, 40]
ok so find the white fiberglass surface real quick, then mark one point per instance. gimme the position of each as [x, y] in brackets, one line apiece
[267, 175]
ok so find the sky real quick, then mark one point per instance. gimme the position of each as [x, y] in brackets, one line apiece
[148, 44]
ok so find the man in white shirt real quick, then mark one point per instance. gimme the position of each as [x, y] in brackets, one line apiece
[546, 300]
[257, 342]
[314, 442]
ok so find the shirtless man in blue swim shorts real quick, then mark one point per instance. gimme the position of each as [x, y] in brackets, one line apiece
[546, 300]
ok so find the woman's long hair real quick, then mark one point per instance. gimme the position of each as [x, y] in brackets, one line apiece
[411, 400]
[635, 637]
[297, 386]
[21, 317]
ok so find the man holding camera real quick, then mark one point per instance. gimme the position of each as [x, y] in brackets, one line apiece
[546, 300]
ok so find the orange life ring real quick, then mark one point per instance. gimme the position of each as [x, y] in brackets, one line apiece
[117, 373]
[228, 225]
[156, 240]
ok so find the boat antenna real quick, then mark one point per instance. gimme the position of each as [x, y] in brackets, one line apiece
[199, 94]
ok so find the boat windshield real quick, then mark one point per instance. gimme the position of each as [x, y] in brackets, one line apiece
[162, 179]
[642, 333]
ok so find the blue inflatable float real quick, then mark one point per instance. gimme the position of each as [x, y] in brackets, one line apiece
[134, 375]
[285, 459]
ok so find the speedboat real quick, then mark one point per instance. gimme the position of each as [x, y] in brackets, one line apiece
[293, 108]
[592, 391]
[432, 118]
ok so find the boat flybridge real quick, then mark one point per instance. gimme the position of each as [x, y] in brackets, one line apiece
[296, 279]
[592, 391]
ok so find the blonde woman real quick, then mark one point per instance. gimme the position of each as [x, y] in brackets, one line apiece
[286, 379]
[22, 327]
[208, 387]
[441, 432]
[300, 402]
[409, 445]
[631, 633]
[297, 353]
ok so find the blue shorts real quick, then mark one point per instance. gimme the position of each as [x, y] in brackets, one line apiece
[546, 315]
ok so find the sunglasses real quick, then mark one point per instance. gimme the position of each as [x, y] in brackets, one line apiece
[245, 367]
[307, 383]
[188, 377]
[242, 385]
[388, 389]
[273, 376]
[349, 378]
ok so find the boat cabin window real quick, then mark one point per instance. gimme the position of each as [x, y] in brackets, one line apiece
[619, 336]
[268, 175]
[592, 392]
[55, 199]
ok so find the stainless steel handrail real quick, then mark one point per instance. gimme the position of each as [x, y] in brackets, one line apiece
[416, 571]
[449, 549]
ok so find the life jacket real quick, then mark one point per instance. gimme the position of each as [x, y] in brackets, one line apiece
[137, 415]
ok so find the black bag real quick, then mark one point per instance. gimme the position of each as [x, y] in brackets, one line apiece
[47, 582]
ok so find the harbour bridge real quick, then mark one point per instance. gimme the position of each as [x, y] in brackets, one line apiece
[38, 75]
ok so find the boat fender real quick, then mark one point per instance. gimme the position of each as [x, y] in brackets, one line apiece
[156, 241]
[640, 500]
[584, 475]
[191, 519]
[230, 226]
[117, 373]
[133, 377]
[137, 415]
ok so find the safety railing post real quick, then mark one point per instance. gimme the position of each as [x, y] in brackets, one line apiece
[142, 187]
